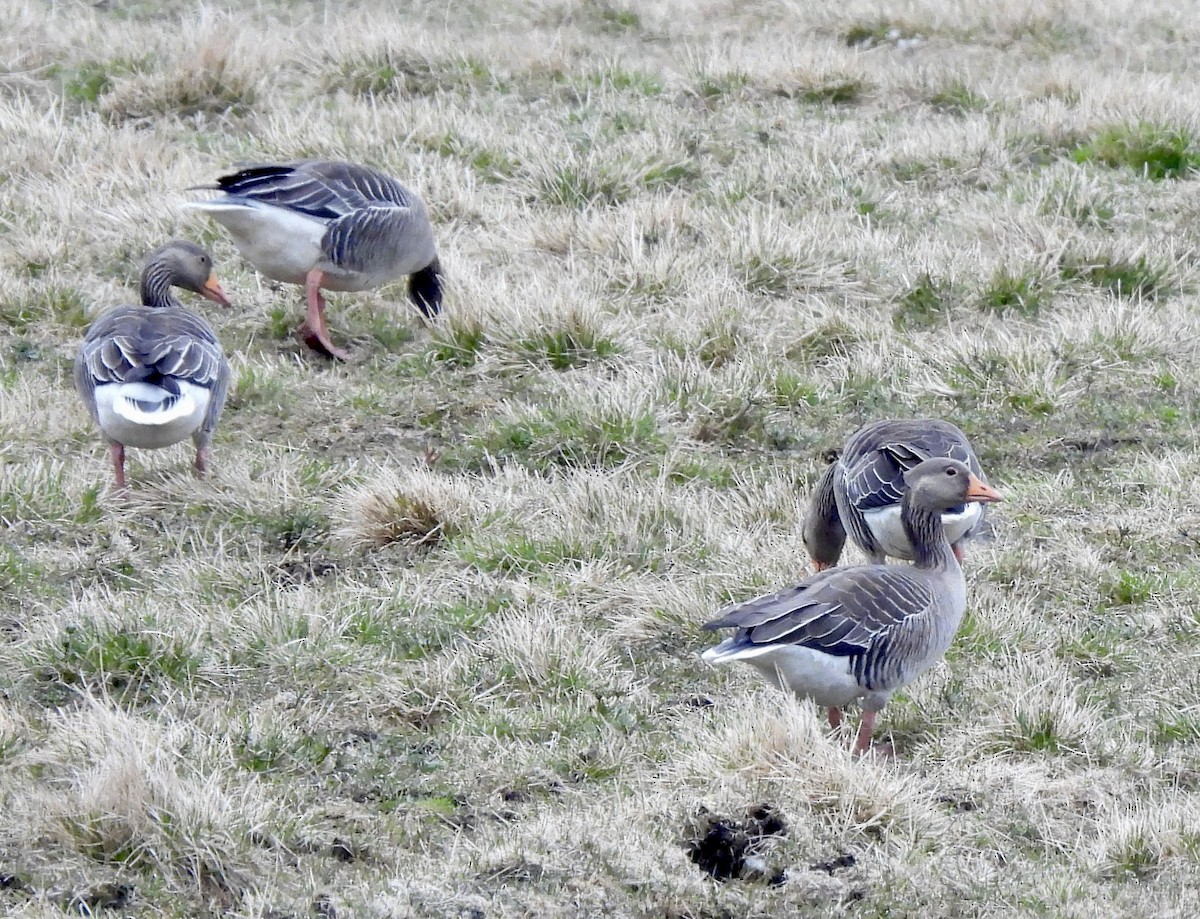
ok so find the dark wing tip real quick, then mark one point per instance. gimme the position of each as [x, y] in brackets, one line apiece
[425, 289]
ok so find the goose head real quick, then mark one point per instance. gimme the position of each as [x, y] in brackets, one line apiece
[940, 484]
[179, 263]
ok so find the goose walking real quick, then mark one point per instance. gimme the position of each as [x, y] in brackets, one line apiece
[863, 632]
[154, 374]
[860, 492]
[329, 226]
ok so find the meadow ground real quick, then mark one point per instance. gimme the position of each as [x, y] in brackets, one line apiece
[426, 643]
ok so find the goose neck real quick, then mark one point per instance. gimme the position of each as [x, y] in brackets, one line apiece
[157, 279]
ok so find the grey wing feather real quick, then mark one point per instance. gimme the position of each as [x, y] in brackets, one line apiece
[131, 343]
[878, 455]
[321, 188]
[841, 611]
[375, 237]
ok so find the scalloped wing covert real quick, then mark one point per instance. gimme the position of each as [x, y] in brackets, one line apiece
[842, 611]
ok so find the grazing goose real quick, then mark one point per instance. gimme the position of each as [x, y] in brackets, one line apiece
[331, 225]
[151, 375]
[860, 492]
[863, 632]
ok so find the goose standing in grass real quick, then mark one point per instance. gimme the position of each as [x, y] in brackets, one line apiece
[154, 374]
[329, 225]
[865, 631]
[860, 492]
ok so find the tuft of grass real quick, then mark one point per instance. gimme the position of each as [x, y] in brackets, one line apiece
[390, 72]
[823, 88]
[130, 664]
[412, 510]
[776, 276]
[548, 437]
[581, 185]
[872, 33]
[568, 342]
[1130, 588]
[927, 302]
[1138, 277]
[489, 163]
[626, 80]
[957, 98]
[714, 85]
[1025, 293]
[1153, 151]
[458, 341]
[213, 81]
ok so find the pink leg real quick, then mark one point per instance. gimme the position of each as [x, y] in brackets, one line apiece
[835, 717]
[314, 331]
[117, 453]
[958, 553]
[865, 730]
[203, 454]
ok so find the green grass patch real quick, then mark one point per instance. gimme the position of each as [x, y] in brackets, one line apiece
[1153, 151]
[132, 664]
[957, 98]
[489, 163]
[90, 80]
[1025, 293]
[548, 437]
[579, 186]
[715, 85]
[870, 33]
[927, 302]
[576, 342]
[1134, 277]
[829, 88]
[391, 72]
[457, 342]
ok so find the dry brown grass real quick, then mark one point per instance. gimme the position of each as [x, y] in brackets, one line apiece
[426, 643]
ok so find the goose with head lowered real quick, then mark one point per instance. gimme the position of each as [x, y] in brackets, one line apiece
[863, 632]
[860, 492]
[154, 374]
[329, 225]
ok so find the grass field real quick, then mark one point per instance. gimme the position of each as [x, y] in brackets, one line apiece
[427, 641]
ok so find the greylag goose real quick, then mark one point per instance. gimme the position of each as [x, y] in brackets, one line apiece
[153, 374]
[865, 631]
[329, 225]
[859, 493]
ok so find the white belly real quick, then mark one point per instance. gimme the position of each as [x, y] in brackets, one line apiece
[143, 415]
[888, 531]
[282, 244]
[813, 674]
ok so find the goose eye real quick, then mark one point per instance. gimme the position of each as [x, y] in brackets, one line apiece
[950, 470]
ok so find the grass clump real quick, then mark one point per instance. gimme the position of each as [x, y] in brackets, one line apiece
[213, 81]
[489, 163]
[957, 98]
[127, 663]
[872, 33]
[1153, 151]
[414, 509]
[458, 341]
[927, 302]
[1025, 293]
[575, 436]
[581, 185]
[565, 343]
[823, 88]
[1137, 277]
[89, 81]
[714, 85]
[389, 72]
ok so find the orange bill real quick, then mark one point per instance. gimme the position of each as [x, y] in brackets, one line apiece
[212, 290]
[978, 491]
